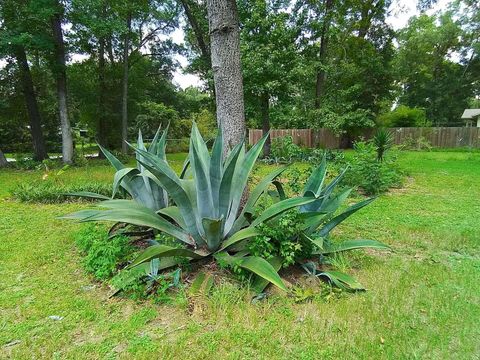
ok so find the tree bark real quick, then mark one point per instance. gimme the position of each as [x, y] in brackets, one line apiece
[39, 148]
[224, 31]
[102, 88]
[3, 159]
[61, 79]
[322, 56]
[265, 111]
[126, 46]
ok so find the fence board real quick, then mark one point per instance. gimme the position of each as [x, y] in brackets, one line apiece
[442, 137]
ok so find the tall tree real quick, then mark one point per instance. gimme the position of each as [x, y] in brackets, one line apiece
[3, 159]
[126, 48]
[429, 76]
[270, 58]
[59, 71]
[15, 36]
[224, 30]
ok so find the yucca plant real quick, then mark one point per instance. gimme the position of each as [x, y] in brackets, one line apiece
[137, 181]
[320, 218]
[207, 218]
[383, 140]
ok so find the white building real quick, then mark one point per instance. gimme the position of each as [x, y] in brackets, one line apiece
[472, 117]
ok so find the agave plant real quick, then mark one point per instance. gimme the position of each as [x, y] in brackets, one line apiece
[207, 218]
[137, 181]
[320, 218]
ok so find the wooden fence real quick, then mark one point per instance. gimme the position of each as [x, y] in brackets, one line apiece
[442, 137]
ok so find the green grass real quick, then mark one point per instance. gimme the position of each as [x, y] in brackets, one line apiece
[423, 300]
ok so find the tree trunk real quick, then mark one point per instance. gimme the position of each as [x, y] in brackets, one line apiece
[197, 30]
[126, 46]
[39, 148]
[61, 78]
[322, 56]
[3, 159]
[227, 71]
[265, 111]
[101, 120]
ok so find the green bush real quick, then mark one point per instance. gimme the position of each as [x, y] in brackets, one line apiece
[404, 116]
[284, 150]
[103, 255]
[370, 174]
[47, 192]
[419, 144]
[279, 239]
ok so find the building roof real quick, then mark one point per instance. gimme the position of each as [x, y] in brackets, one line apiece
[470, 113]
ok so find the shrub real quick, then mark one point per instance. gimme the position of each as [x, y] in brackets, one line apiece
[279, 239]
[370, 174]
[102, 253]
[383, 141]
[48, 192]
[404, 116]
[284, 149]
[420, 143]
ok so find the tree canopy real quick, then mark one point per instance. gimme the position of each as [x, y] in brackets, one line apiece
[328, 63]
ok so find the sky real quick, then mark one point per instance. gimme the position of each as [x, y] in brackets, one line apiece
[400, 12]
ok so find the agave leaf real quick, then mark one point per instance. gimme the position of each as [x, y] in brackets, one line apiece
[120, 204]
[325, 194]
[213, 232]
[173, 212]
[318, 242]
[281, 207]
[226, 185]
[280, 191]
[262, 268]
[240, 235]
[141, 217]
[331, 205]
[342, 280]
[170, 182]
[158, 251]
[202, 183]
[259, 283]
[80, 215]
[88, 194]
[199, 144]
[117, 164]
[314, 184]
[240, 181]
[216, 170]
[312, 220]
[120, 175]
[185, 167]
[254, 196]
[330, 248]
[153, 146]
[339, 218]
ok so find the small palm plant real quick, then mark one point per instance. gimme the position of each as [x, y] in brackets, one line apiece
[136, 181]
[383, 141]
[207, 218]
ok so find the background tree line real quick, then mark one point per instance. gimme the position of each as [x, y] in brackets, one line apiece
[107, 66]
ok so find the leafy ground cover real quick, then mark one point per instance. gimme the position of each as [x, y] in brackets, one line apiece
[423, 299]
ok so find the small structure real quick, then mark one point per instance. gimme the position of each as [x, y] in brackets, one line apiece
[472, 117]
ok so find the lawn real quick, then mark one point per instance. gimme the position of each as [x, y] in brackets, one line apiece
[423, 299]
